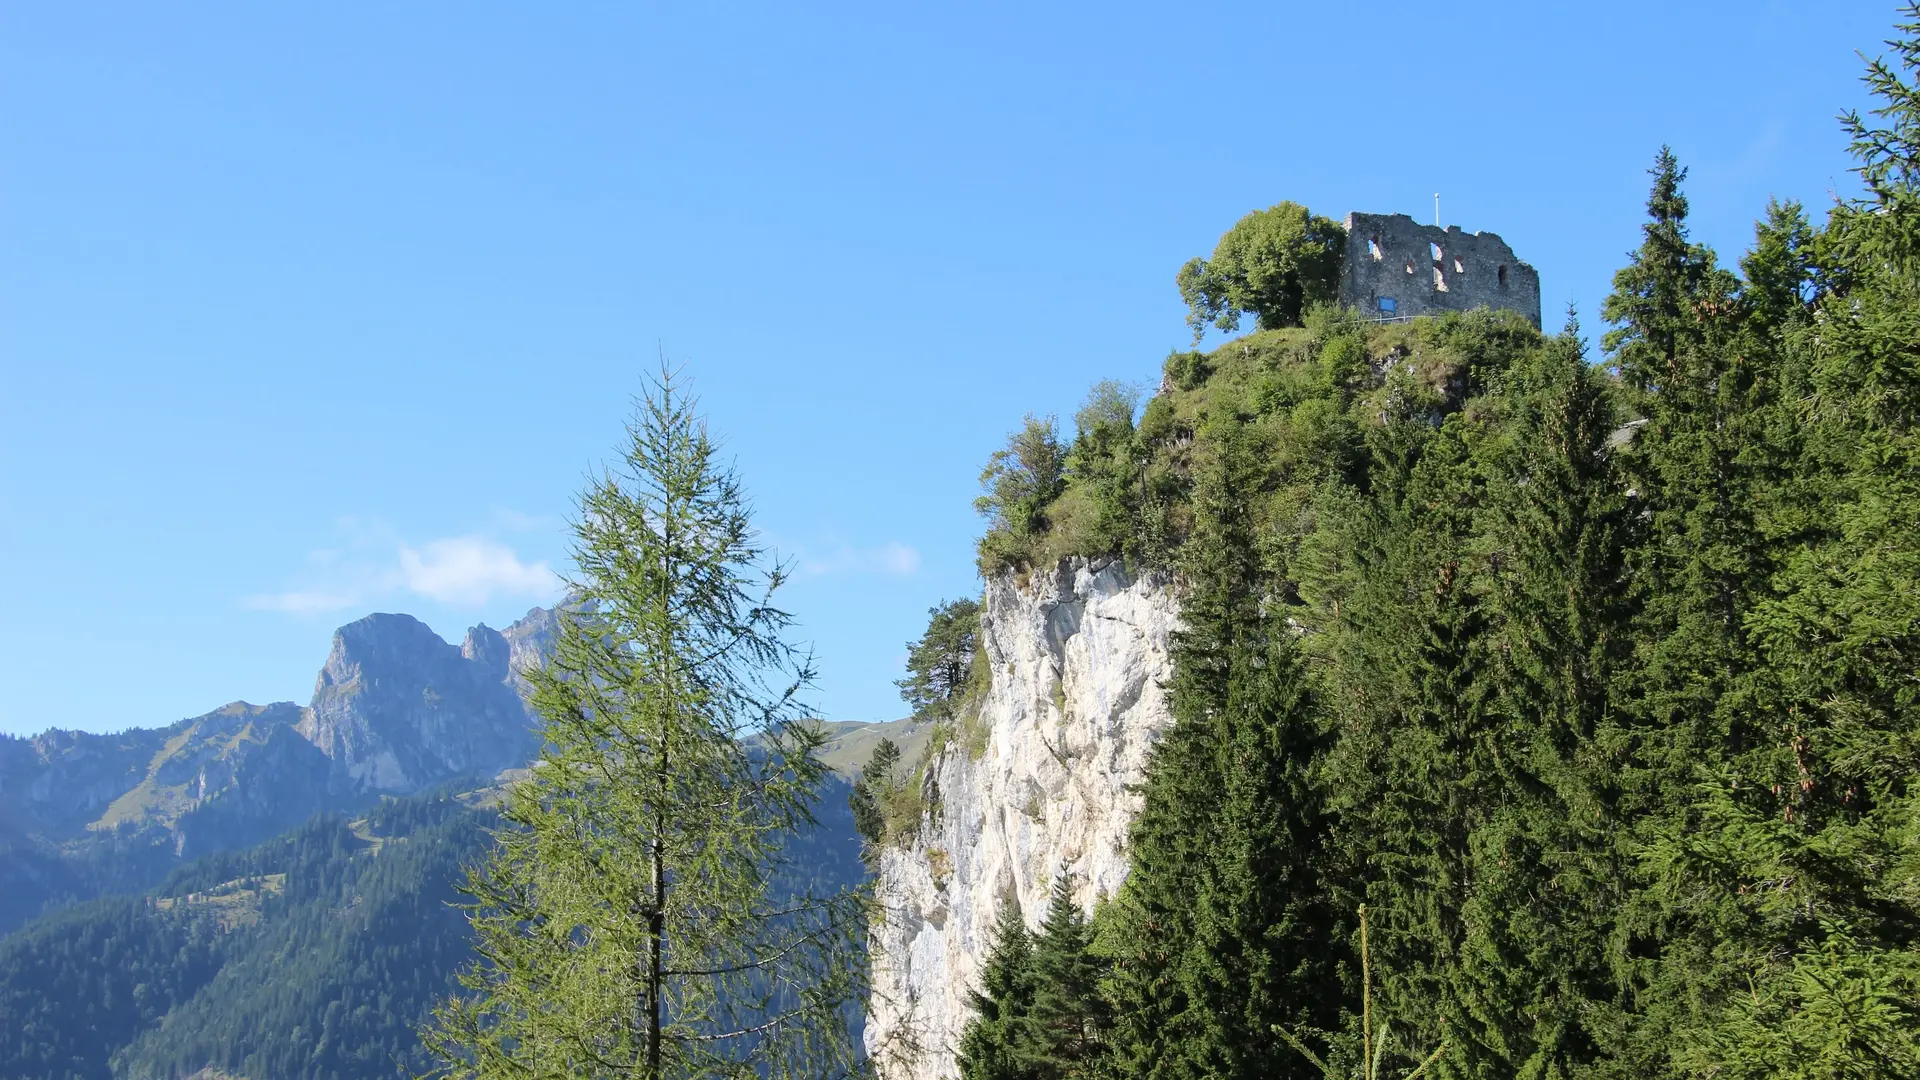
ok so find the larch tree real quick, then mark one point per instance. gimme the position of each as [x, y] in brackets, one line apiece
[636, 919]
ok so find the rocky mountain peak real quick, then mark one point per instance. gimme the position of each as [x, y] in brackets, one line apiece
[396, 708]
[530, 642]
[381, 644]
[488, 649]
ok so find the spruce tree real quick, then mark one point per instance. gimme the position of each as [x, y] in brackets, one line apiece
[1656, 296]
[631, 920]
[1419, 764]
[994, 1045]
[1693, 700]
[1157, 1020]
[1264, 948]
[1547, 863]
[1814, 837]
[1154, 1016]
[1221, 919]
[1068, 1018]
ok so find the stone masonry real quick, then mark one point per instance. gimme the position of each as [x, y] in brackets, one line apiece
[1398, 268]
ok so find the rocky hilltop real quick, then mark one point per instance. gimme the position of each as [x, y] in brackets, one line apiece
[1040, 783]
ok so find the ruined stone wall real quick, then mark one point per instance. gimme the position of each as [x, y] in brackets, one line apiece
[1396, 266]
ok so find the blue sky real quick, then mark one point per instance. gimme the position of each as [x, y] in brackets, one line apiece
[309, 311]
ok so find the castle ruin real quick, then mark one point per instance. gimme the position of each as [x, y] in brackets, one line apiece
[1397, 268]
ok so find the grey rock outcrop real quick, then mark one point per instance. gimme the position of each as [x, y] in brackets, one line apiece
[59, 781]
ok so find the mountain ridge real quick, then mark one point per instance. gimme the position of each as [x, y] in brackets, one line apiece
[396, 709]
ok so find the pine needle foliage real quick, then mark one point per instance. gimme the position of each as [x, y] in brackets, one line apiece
[1068, 1017]
[1221, 922]
[1038, 1013]
[635, 919]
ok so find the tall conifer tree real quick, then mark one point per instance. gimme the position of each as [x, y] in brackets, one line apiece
[1418, 766]
[1222, 913]
[1158, 1021]
[1693, 697]
[1068, 1019]
[1548, 867]
[632, 921]
[994, 1043]
[1816, 837]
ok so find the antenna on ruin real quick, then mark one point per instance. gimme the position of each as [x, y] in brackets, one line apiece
[1436, 209]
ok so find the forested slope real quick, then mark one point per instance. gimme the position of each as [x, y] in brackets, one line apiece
[314, 955]
[310, 956]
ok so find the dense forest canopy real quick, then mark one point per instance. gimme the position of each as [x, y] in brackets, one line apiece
[314, 955]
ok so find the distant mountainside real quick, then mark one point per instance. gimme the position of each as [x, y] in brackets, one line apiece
[395, 710]
[264, 892]
[850, 743]
[312, 955]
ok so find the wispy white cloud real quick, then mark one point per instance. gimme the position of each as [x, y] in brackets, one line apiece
[373, 564]
[892, 559]
[507, 519]
[471, 570]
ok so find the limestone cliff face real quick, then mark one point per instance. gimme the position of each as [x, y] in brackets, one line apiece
[1040, 784]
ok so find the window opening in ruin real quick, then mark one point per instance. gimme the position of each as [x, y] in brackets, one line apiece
[1457, 268]
[1439, 280]
[1373, 248]
[1409, 268]
[1435, 248]
[1503, 277]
